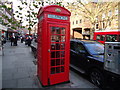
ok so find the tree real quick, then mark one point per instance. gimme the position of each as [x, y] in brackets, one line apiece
[92, 11]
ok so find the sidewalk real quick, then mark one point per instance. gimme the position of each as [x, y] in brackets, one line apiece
[19, 71]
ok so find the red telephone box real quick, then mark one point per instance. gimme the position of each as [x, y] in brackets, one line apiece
[53, 45]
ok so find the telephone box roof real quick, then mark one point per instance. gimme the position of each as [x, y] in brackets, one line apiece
[54, 9]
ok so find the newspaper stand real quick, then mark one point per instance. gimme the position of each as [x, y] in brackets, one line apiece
[53, 45]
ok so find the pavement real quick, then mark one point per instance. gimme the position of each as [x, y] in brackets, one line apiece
[19, 70]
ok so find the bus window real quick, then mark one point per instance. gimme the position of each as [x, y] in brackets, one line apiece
[98, 37]
[118, 38]
[102, 37]
[111, 38]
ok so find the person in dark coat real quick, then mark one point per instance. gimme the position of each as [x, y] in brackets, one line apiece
[22, 39]
[29, 41]
[12, 40]
[15, 41]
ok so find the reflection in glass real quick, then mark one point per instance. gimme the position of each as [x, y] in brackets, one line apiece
[57, 61]
[62, 68]
[62, 53]
[62, 38]
[52, 62]
[63, 31]
[62, 61]
[52, 70]
[55, 38]
[57, 69]
[53, 54]
[62, 46]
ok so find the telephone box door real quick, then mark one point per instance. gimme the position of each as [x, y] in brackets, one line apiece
[58, 68]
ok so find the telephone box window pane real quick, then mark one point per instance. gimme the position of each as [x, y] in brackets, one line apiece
[62, 68]
[57, 46]
[57, 69]
[58, 30]
[62, 53]
[62, 46]
[55, 38]
[57, 61]
[57, 54]
[53, 46]
[52, 62]
[62, 61]
[53, 54]
[55, 30]
[52, 70]
[62, 38]
[63, 31]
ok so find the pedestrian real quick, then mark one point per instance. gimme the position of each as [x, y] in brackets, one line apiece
[22, 39]
[12, 40]
[29, 41]
[15, 40]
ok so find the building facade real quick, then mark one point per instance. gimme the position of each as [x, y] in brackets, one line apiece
[80, 26]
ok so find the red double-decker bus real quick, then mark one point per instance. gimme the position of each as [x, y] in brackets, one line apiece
[107, 36]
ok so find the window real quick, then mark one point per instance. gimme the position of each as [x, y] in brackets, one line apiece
[72, 45]
[102, 37]
[103, 25]
[97, 26]
[98, 37]
[119, 38]
[111, 38]
[73, 22]
[79, 47]
[76, 21]
[80, 20]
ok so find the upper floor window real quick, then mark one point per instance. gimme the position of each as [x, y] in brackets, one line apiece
[76, 21]
[73, 22]
[80, 20]
[97, 26]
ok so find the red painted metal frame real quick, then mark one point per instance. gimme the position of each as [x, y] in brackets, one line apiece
[105, 33]
[44, 44]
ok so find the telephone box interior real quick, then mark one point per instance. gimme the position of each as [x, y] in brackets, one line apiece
[53, 52]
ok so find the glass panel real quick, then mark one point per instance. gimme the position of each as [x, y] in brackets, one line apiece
[62, 46]
[111, 38]
[98, 37]
[53, 46]
[55, 38]
[63, 31]
[62, 53]
[57, 69]
[62, 38]
[62, 61]
[55, 30]
[57, 62]
[53, 54]
[52, 62]
[57, 54]
[62, 68]
[102, 37]
[52, 70]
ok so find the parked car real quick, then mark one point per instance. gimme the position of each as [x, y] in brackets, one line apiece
[88, 58]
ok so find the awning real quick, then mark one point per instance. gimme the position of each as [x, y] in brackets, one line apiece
[3, 27]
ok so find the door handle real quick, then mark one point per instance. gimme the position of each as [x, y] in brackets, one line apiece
[48, 50]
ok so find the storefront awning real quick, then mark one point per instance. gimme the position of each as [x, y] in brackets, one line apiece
[3, 27]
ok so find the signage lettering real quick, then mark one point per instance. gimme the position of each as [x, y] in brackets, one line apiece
[57, 17]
